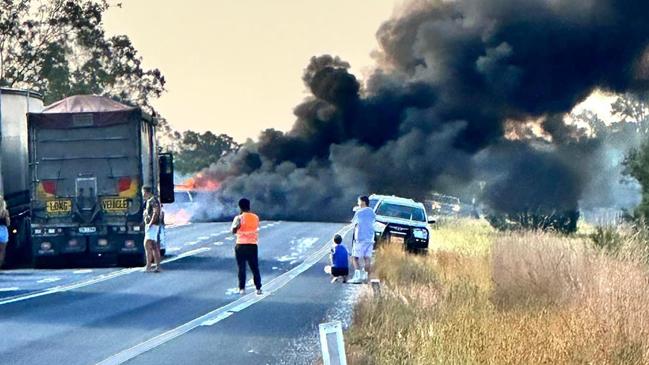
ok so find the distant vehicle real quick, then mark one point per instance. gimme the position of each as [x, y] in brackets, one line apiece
[444, 205]
[183, 201]
[401, 221]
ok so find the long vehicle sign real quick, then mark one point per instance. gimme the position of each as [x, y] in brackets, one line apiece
[115, 205]
[58, 206]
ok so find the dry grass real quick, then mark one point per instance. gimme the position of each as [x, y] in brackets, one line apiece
[524, 298]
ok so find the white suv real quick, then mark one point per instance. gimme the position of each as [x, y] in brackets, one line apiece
[401, 220]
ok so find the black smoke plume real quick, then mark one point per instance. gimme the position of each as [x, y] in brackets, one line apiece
[451, 77]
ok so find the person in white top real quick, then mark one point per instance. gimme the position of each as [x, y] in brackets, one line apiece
[363, 243]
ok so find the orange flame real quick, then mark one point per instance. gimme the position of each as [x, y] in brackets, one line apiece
[200, 182]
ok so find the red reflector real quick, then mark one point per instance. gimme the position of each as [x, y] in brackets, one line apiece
[49, 186]
[124, 183]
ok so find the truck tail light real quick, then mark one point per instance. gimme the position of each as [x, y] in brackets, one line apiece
[49, 186]
[124, 183]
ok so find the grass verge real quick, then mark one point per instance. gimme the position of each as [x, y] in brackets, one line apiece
[483, 297]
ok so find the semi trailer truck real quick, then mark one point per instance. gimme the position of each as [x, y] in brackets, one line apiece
[14, 166]
[88, 158]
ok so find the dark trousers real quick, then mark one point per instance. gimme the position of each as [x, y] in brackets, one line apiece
[247, 253]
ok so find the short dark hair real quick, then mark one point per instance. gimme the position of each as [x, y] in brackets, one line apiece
[338, 239]
[244, 204]
[147, 189]
[364, 199]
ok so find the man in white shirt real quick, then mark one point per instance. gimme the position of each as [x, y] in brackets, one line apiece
[363, 244]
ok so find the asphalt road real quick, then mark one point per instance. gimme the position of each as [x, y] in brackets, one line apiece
[190, 313]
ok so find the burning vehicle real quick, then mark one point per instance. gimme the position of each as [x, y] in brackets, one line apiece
[190, 200]
[401, 221]
[444, 205]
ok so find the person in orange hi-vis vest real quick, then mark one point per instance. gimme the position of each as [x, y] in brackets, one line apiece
[246, 227]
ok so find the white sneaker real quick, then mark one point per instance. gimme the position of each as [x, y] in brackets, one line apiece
[357, 278]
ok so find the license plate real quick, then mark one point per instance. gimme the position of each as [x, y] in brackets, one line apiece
[58, 206]
[396, 239]
[114, 205]
[87, 229]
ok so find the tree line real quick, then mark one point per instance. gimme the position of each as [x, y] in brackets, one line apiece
[60, 48]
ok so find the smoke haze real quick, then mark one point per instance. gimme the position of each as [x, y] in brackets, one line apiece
[452, 77]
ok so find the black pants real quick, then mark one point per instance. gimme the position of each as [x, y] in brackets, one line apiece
[247, 253]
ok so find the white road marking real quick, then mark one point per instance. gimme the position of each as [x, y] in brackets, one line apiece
[98, 279]
[173, 249]
[15, 288]
[229, 238]
[299, 247]
[203, 238]
[48, 280]
[219, 243]
[217, 319]
[192, 243]
[83, 271]
[174, 226]
[219, 314]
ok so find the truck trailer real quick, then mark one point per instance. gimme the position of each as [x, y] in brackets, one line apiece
[14, 171]
[89, 157]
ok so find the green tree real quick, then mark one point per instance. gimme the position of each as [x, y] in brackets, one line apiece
[59, 48]
[636, 165]
[633, 108]
[195, 151]
[633, 111]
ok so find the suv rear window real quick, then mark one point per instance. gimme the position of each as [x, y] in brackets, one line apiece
[401, 211]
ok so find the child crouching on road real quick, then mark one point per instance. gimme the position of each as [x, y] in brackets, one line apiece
[339, 261]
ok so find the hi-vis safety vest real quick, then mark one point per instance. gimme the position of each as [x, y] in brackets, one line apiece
[248, 232]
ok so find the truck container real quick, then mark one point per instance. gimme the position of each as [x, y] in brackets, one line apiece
[14, 172]
[89, 156]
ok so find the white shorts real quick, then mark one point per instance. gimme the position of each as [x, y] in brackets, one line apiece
[363, 249]
[151, 233]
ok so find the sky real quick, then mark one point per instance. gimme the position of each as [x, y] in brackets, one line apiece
[235, 66]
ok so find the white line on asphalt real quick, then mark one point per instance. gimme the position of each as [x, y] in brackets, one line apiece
[15, 288]
[203, 238]
[174, 226]
[48, 280]
[192, 243]
[98, 279]
[219, 243]
[83, 271]
[221, 313]
[229, 238]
